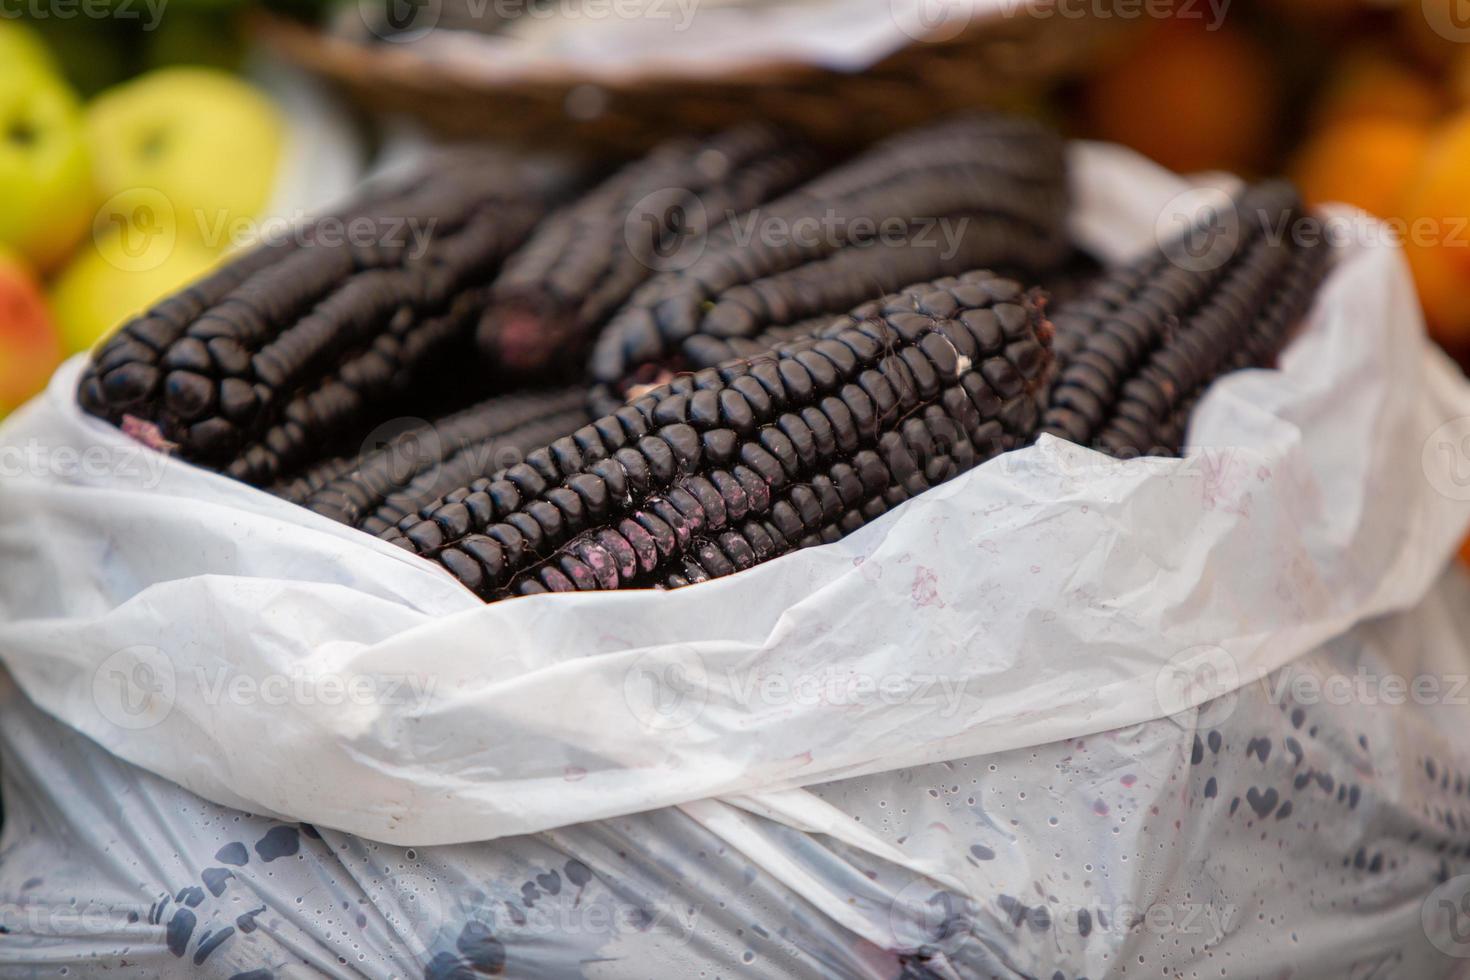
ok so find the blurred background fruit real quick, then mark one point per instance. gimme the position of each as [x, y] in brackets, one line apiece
[1366, 161]
[1438, 199]
[1216, 88]
[133, 152]
[20, 45]
[45, 190]
[119, 273]
[29, 346]
[1367, 80]
[207, 142]
[193, 36]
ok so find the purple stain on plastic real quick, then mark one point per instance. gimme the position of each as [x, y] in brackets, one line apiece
[447, 966]
[577, 873]
[214, 879]
[245, 921]
[211, 943]
[1262, 802]
[478, 945]
[180, 928]
[278, 842]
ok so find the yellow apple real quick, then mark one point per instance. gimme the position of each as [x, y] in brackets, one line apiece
[29, 346]
[209, 143]
[46, 198]
[122, 271]
[19, 45]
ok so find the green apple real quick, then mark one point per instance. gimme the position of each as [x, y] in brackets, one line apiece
[46, 198]
[207, 142]
[122, 271]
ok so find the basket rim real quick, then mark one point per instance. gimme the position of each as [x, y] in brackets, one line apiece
[337, 55]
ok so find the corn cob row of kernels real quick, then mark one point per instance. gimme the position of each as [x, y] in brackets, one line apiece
[1143, 343]
[256, 369]
[403, 473]
[584, 261]
[761, 425]
[935, 183]
[472, 462]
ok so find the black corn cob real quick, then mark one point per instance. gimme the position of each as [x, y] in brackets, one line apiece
[305, 482]
[584, 261]
[421, 464]
[978, 191]
[778, 450]
[1138, 347]
[921, 453]
[709, 350]
[257, 368]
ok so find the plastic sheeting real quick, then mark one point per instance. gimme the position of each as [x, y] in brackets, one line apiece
[1315, 825]
[273, 661]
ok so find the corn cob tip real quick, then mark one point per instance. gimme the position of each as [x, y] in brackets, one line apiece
[524, 334]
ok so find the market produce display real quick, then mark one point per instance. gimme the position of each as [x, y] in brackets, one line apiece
[256, 368]
[584, 261]
[728, 467]
[1143, 342]
[976, 192]
[376, 490]
[719, 421]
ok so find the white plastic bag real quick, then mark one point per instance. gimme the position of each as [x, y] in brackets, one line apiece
[273, 661]
[1282, 829]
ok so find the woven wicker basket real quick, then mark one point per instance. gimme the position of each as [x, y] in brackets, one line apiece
[991, 63]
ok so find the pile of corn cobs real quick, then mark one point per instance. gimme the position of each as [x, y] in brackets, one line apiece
[726, 351]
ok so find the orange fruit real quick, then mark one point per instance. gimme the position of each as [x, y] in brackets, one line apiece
[1368, 82]
[1437, 211]
[1189, 97]
[1366, 161]
[30, 348]
[1434, 31]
